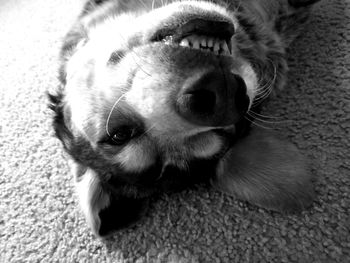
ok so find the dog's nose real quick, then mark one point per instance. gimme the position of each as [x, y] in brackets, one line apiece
[213, 98]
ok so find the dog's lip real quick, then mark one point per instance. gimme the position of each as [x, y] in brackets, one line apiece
[228, 129]
[198, 26]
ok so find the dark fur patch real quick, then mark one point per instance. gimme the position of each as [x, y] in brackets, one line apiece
[302, 3]
[121, 212]
[115, 57]
[59, 124]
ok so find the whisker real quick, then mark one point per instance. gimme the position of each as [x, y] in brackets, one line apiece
[265, 91]
[110, 113]
[259, 100]
[143, 3]
[264, 116]
[268, 87]
[274, 70]
[149, 129]
[238, 6]
[266, 121]
[138, 56]
[262, 94]
[138, 65]
[260, 91]
[265, 88]
[258, 124]
[187, 166]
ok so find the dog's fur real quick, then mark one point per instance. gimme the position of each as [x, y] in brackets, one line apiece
[114, 108]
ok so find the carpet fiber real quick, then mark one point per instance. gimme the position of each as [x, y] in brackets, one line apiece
[39, 215]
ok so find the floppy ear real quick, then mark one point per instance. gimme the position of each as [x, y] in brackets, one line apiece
[267, 171]
[105, 211]
[292, 23]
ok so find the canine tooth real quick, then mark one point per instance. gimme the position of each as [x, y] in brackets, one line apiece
[204, 42]
[224, 48]
[185, 43]
[216, 47]
[168, 39]
[195, 44]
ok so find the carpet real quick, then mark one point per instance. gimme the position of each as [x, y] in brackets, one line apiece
[40, 220]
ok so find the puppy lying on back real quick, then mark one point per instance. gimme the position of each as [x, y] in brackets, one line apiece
[154, 97]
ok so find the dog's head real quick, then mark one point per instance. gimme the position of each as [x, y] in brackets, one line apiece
[148, 88]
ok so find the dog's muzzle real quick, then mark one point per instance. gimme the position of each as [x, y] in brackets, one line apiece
[211, 91]
[213, 96]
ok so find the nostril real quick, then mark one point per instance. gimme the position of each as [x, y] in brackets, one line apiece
[242, 103]
[201, 101]
[212, 98]
[200, 97]
[198, 104]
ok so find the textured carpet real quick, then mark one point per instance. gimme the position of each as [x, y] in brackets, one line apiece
[39, 216]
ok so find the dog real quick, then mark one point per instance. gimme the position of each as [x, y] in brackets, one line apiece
[157, 96]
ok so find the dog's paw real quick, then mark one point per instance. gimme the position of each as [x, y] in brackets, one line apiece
[267, 171]
[105, 211]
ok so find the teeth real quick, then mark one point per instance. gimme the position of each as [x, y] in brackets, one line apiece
[224, 47]
[210, 42]
[205, 43]
[195, 44]
[168, 40]
[216, 47]
[184, 43]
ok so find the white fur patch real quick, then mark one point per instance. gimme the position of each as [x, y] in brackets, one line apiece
[136, 157]
[92, 198]
[79, 67]
[250, 80]
[207, 147]
[144, 99]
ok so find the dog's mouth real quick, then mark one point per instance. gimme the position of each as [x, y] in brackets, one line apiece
[205, 35]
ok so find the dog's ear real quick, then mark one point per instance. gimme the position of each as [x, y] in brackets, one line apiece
[105, 211]
[60, 118]
[291, 23]
[267, 171]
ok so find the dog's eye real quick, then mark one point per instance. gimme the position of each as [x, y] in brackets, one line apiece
[121, 136]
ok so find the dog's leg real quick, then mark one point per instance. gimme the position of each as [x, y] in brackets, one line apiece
[105, 211]
[267, 171]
